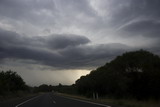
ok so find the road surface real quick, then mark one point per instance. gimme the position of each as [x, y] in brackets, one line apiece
[51, 100]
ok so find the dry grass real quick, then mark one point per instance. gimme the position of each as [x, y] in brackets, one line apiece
[119, 102]
[132, 103]
[14, 96]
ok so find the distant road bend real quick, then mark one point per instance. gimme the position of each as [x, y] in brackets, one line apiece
[51, 100]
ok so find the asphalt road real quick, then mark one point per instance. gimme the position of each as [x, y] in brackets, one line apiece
[51, 100]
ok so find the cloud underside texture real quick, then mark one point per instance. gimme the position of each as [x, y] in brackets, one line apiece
[124, 19]
[58, 51]
[131, 17]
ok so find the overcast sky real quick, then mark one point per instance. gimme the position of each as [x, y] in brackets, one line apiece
[57, 41]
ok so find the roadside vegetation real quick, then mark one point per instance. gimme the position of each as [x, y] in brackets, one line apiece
[12, 85]
[116, 102]
[132, 75]
[130, 80]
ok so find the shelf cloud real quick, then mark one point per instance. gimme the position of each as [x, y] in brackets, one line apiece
[59, 35]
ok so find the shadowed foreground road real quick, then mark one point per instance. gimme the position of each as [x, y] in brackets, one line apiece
[51, 100]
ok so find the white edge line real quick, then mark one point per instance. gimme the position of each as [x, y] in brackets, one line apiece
[26, 101]
[87, 101]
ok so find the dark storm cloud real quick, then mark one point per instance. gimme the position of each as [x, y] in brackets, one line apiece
[63, 41]
[146, 12]
[147, 28]
[93, 55]
[32, 11]
[132, 18]
[48, 12]
[138, 19]
[146, 7]
[126, 10]
[18, 8]
[39, 36]
[77, 7]
[72, 51]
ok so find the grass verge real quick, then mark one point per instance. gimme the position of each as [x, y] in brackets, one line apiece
[14, 96]
[118, 102]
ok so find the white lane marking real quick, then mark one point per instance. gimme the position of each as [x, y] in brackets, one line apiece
[87, 102]
[53, 100]
[26, 101]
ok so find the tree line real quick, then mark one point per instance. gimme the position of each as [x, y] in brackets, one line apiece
[11, 82]
[131, 75]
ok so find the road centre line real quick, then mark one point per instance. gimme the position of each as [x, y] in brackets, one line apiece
[26, 101]
[53, 100]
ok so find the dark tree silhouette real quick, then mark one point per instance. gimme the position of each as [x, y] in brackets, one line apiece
[10, 82]
[134, 74]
